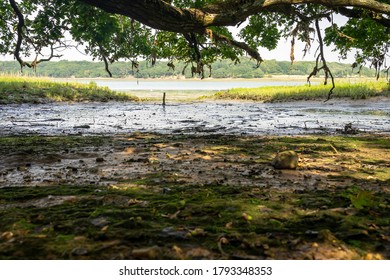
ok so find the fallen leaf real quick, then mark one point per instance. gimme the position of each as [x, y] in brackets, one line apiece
[247, 217]
[198, 253]
[372, 256]
[174, 215]
[7, 235]
[147, 253]
[40, 236]
[133, 201]
[178, 252]
[229, 225]
[79, 238]
[206, 158]
[224, 240]
[198, 232]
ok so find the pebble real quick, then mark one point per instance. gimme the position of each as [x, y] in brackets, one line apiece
[285, 160]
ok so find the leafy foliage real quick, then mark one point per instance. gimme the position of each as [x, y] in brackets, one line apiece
[361, 34]
[224, 68]
[194, 32]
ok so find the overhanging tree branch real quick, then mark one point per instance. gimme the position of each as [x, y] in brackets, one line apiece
[161, 15]
[253, 53]
[355, 13]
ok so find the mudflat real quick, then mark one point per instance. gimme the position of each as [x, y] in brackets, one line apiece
[156, 196]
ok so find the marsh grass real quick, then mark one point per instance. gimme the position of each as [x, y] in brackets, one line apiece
[360, 90]
[21, 89]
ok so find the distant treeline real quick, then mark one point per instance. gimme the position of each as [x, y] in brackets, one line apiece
[219, 69]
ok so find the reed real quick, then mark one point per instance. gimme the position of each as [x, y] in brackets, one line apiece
[358, 90]
[22, 89]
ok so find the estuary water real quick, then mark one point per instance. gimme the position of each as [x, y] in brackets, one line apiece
[184, 85]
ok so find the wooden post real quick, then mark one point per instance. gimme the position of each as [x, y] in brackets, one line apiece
[163, 99]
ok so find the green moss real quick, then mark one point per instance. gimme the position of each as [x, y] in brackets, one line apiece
[105, 222]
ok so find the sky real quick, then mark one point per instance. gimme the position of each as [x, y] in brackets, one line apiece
[281, 53]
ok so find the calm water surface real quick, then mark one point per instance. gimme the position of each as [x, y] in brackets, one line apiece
[204, 85]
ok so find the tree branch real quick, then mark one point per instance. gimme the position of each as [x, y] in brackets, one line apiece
[354, 13]
[241, 45]
[324, 66]
[19, 29]
[161, 15]
[19, 41]
[105, 61]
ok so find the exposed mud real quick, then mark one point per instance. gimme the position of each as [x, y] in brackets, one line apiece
[95, 181]
[150, 196]
[237, 118]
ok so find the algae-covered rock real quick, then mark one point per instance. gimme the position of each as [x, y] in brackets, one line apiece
[285, 160]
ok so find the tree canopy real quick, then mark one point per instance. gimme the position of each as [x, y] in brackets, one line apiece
[194, 31]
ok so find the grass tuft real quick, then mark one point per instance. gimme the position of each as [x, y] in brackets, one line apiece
[360, 90]
[20, 89]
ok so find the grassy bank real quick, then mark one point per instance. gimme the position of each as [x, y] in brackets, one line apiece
[360, 90]
[145, 196]
[39, 90]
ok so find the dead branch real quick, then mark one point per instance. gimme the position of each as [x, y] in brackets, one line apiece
[105, 59]
[324, 66]
[193, 43]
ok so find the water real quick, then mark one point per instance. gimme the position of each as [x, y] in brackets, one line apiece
[195, 118]
[184, 85]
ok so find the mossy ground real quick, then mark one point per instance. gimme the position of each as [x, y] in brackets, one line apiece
[194, 197]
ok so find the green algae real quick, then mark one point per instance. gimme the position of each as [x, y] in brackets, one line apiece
[254, 220]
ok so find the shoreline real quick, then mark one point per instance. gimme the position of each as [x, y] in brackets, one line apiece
[211, 79]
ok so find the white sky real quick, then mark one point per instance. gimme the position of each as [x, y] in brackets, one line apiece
[281, 53]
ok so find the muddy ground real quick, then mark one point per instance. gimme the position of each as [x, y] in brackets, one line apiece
[221, 117]
[152, 196]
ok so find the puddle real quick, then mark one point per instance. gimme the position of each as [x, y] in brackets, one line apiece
[195, 118]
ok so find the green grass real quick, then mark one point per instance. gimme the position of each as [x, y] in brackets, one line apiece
[360, 90]
[14, 89]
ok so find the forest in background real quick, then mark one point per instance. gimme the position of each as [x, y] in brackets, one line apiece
[220, 69]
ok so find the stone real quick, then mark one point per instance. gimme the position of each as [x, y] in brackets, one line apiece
[100, 159]
[285, 160]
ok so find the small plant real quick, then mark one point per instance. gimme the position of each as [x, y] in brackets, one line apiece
[363, 199]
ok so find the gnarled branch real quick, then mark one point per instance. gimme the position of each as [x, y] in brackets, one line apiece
[161, 15]
[19, 29]
[324, 66]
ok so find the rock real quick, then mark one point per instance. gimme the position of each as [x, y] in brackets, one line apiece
[100, 222]
[79, 251]
[100, 159]
[285, 160]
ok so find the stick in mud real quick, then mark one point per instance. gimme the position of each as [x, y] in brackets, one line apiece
[164, 99]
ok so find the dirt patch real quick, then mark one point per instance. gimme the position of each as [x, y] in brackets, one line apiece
[194, 197]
